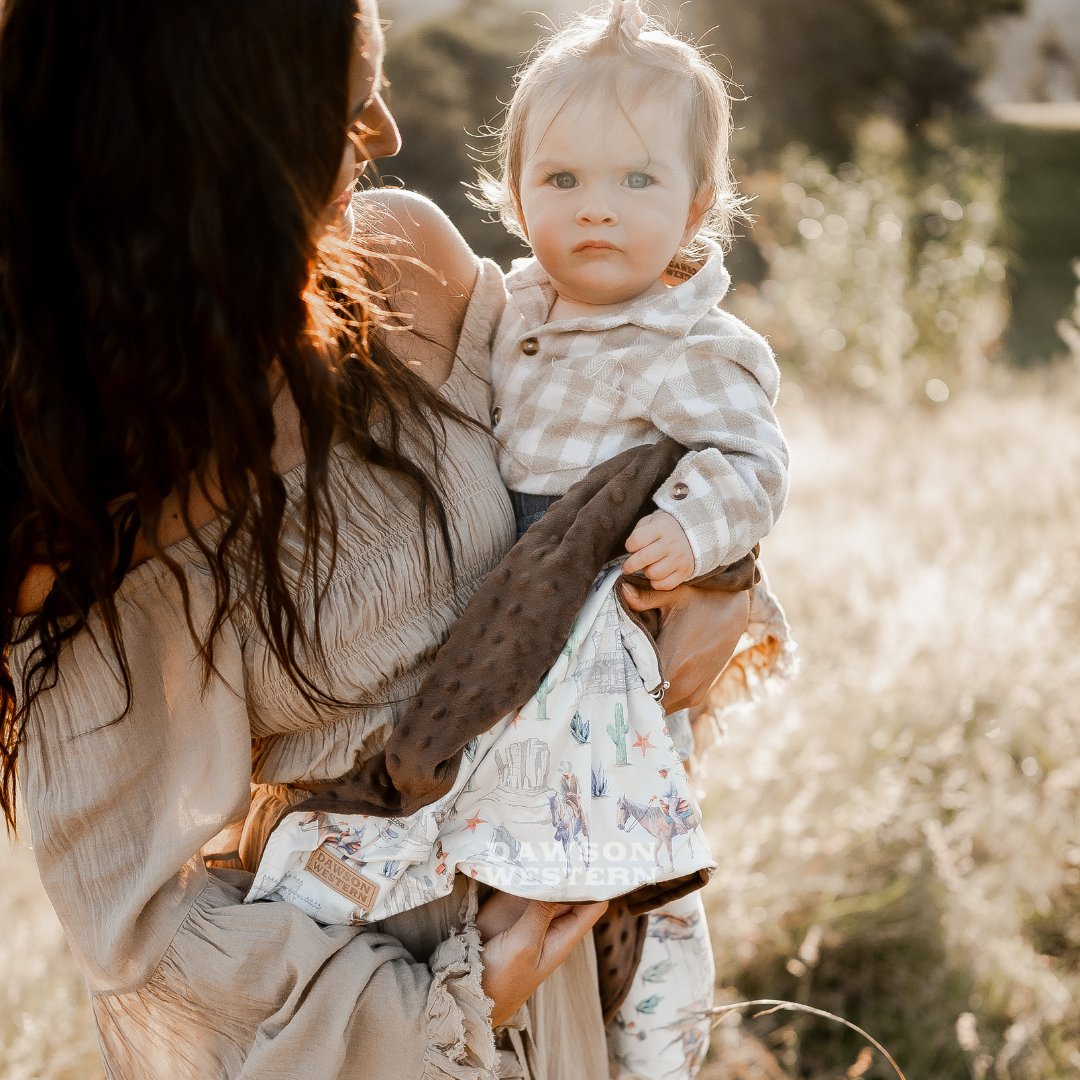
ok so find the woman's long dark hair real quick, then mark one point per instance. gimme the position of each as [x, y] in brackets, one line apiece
[164, 166]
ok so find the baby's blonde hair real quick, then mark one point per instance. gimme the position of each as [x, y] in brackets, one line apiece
[605, 48]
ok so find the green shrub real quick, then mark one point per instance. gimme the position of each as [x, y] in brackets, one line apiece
[884, 275]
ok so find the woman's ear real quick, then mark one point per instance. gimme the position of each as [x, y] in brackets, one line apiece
[702, 204]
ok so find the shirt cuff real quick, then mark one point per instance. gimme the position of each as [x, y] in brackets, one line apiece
[694, 502]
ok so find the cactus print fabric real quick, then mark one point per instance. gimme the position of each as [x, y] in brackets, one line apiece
[659, 1032]
[579, 796]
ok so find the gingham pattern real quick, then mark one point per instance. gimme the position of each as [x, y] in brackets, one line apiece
[672, 364]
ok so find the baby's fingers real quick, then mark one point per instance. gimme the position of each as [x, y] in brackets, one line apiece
[644, 557]
[646, 531]
[667, 572]
[667, 581]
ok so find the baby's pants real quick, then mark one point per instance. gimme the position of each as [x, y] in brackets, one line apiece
[656, 1034]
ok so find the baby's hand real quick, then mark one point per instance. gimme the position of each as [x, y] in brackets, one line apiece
[659, 547]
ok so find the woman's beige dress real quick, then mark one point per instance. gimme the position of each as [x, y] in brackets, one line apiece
[187, 981]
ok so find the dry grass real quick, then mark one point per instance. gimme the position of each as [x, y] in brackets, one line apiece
[45, 1025]
[897, 832]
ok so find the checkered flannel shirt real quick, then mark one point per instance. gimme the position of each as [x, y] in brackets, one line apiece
[671, 364]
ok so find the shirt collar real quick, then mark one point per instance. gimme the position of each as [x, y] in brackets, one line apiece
[673, 312]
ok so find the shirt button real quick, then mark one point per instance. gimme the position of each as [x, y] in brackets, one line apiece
[530, 346]
[679, 492]
[496, 416]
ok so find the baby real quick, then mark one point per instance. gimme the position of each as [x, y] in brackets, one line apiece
[614, 168]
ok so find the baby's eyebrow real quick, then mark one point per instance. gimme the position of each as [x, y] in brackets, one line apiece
[650, 165]
[562, 165]
[551, 164]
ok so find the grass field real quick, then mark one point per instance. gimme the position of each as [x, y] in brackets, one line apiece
[897, 831]
[45, 1025]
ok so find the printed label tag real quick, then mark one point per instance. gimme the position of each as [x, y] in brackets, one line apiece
[342, 879]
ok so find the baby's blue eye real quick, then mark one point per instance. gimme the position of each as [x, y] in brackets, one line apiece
[638, 180]
[564, 180]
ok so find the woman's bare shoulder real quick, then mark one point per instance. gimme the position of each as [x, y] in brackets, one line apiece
[34, 589]
[430, 277]
[428, 235]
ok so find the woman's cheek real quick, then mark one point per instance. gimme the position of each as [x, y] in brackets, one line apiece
[347, 172]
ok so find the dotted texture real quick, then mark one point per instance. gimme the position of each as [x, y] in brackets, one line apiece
[619, 937]
[511, 634]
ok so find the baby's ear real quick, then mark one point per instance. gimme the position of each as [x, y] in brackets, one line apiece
[702, 204]
[519, 215]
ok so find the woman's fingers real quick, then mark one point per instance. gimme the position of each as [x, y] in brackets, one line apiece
[520, 958]
[498, 913]
[699, 631]
[546, 932]
[512, 961]
[642, 599]
[566, 930]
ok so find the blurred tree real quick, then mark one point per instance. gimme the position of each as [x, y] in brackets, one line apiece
[449, 78]
[812, 71]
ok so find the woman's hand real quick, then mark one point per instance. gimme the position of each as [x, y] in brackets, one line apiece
[524, 942]
[698, 634]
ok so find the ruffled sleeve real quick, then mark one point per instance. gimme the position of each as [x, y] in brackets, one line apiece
[187, 981]
[260, 992]
[460, 1042]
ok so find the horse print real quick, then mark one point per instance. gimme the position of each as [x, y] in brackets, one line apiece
[672, 816]
[569, 817]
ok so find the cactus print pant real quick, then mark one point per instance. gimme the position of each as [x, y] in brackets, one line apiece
[658, 1034]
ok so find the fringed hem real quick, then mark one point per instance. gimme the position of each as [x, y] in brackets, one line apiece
[461, 1044]
[765, 657]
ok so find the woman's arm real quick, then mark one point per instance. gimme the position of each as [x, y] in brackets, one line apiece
[119, 812]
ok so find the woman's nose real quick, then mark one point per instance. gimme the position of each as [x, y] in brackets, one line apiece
[378, 131]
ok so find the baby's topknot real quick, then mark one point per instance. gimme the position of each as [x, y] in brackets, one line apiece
[626, 19]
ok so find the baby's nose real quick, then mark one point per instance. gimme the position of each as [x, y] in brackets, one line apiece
[597, 212]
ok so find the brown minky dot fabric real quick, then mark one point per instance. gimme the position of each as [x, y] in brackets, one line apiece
[498, 653]
[619, 937]
[512, 632]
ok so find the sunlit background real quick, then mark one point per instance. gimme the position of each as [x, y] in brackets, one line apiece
[897, 829]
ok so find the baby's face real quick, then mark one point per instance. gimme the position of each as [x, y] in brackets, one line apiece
[607, 200]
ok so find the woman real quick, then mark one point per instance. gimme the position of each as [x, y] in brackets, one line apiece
[241, 509]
